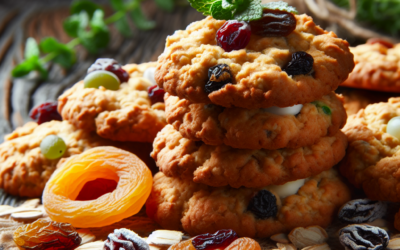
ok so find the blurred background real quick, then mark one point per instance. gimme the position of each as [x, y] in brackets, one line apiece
[136, 32]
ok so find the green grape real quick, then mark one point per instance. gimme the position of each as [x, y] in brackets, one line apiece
[393, 127]
[53, 147]
[103, 78]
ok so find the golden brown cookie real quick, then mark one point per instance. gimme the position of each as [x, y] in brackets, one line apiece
[196, 208]
[24, 170]
[372, 161]
[257, 77]
[125, 114]
[223, 165]
[377, 68]
[256, 128]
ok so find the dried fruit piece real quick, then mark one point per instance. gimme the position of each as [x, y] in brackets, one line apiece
[134, 187]
[46, 234]
[393, 127]
[102, 78]
[96, 188]
[45, 112]
[357, 237]
[233, 35]
[184, 245]
[274, 23]
[263, 205]
[164, 237]
[303, 237]
[156, 94]
[220, 239]
[110, 65]
[244, 244]
[362, 211]
[218, 77]
[125, 239]
[301, 64]
[53, 147]
[380, 41]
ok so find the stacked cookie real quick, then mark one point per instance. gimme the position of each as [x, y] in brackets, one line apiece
[253, 133]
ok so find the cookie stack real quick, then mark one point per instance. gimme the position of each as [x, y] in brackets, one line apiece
[253, 133]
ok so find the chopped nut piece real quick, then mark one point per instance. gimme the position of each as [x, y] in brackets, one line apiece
[303, 237]
[86, 236]
[97, 245]
[281, 238]
[282, 246]
[164, 237]
[27, 215]
[323, 246]
[394, 244]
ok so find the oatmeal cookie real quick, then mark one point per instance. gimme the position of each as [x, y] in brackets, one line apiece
[257, 77]
[24, 170]
[373, 156]
[223, 165]
[256, 128]
[196, 208]
[377, 67]
[125, 114]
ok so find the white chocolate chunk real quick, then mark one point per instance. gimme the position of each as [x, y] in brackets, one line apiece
[149, 75]
[287, 189]
[293, 110]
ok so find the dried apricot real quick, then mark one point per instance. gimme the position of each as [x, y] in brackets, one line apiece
[46, 234]
[244, 244]
[183, 245]
[64, 196]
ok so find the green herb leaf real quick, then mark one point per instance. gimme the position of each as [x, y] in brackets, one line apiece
[76, 22]
[65, 55]
[140, 20]
[31, 64]
[167, 5]
[280, 6]
[228, 5]
[98, 36]
[31, 48]
[122, 26]
[326, 110]
[252, 11]
[118, 5]
[203, 6]
[218, 12]
[84, 5]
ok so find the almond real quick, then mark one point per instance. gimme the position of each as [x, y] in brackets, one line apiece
[323, 246]
[303, 237]
[281, 238]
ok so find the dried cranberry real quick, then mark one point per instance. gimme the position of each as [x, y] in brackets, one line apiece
[263, 205]
[110, 65]
[301, 64]
[233, 35]
[156, 94]
[274, 23]
[218, 77]
[380, 41]
[220, 239]
[45, 112]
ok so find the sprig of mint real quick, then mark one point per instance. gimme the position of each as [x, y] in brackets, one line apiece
[241, 10]
[89, 28]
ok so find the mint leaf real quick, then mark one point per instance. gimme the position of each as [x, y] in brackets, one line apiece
[29, 65]
[140, 20]
[280, 6]
[228, 5]
[219, 13]
[251, 11]
[65, 55]
[203, 6]
[98, 36]
[31, 48]
[122, 26]
[84, 5]
[76, 22]
[118, 5]
[167, 5]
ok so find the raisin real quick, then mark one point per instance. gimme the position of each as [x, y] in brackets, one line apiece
[362, 211]
[218, 77]
[156, 94]
[233, 35]
[274, 23]
[220, 239]
[301, 64]
[45, 112]
[363, 237]
[110, 65]
[124, 239]
[263, 205]
[46, 234]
